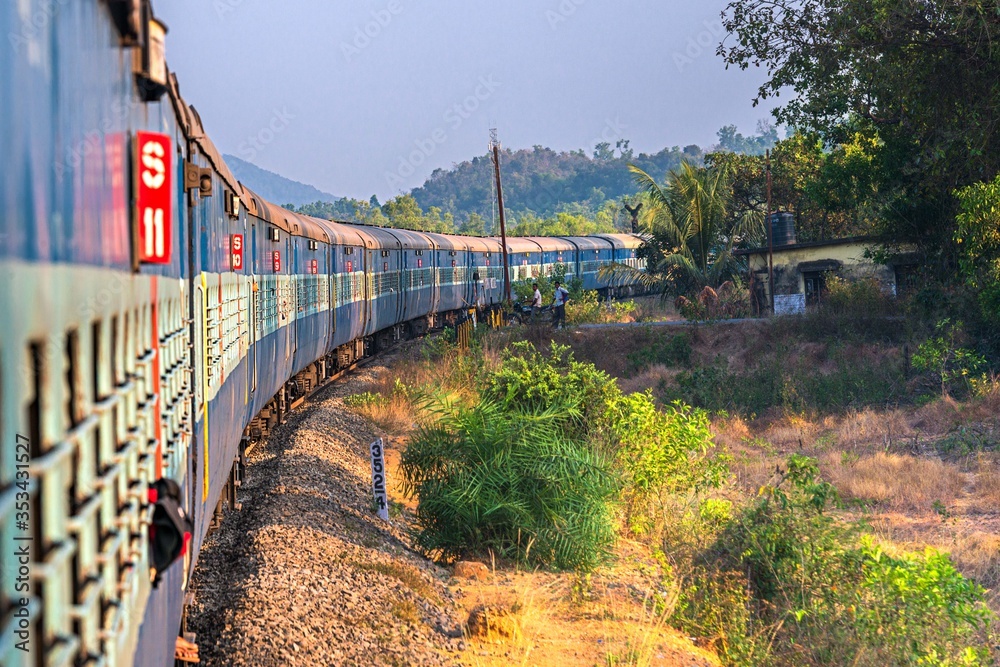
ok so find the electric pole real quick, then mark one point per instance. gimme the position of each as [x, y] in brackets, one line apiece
[495, 147]
[770, 234]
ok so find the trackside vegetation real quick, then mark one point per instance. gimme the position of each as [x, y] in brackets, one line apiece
[526, 454]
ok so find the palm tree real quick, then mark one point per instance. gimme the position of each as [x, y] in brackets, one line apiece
[691, 230]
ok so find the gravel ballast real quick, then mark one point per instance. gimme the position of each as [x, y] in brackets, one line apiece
[305, 573]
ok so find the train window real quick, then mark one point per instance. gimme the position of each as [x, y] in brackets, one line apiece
[273, 234]
[348, 251]
[385, 253]
[313, 245]
[74, 407]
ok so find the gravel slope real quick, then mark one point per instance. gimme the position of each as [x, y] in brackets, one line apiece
[305, 574]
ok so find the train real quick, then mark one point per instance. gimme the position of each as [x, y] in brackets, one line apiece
[156, 316]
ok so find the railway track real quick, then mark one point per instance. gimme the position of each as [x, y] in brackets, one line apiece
[305, 574]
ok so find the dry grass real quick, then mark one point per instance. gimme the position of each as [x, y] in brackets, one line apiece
[895, 481]
[986, 473]
[561, 619]
[868, 429]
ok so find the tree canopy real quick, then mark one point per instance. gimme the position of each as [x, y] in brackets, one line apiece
[914, 86]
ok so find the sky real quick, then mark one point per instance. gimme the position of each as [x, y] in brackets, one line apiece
[371, 96]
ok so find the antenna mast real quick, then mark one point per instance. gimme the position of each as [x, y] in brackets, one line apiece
[495, 148]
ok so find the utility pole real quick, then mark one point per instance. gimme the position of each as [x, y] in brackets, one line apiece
[495, 147]
[770, 234]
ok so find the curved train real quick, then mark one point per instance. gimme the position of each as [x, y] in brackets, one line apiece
[156, 315]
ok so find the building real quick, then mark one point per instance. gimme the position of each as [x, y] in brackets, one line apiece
[801, 271]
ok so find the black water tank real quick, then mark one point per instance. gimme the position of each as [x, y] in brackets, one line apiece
[783, 228]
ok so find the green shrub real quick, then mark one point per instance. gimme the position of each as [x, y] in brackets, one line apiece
[507, 477]
[528, 380]
[785, 583]
[941, 355]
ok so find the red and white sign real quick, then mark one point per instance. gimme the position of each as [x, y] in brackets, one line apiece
[276, 260]
[350, 266]
[385, 266]
[236, 251]
[153, 196]
[420, 263]
[314, 266]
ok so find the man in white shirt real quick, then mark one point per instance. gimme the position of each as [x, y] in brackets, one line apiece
[559, 300]
[536, 302]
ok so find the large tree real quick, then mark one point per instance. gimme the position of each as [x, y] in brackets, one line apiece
[920, 78]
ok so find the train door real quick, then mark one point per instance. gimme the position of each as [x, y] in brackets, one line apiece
[404, 283]
[368, 295]
[331, 283]
[254, 309]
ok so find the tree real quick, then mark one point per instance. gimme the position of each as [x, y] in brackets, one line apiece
[920, 77]
[978, 238]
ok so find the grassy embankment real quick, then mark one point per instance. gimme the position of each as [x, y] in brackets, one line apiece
[843, 463]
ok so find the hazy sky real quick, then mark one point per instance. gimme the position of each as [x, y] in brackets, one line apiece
[371, 96]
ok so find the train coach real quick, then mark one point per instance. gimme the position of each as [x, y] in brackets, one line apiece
[156, 316]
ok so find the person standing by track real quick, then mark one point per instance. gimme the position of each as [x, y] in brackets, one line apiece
[559, 299]
[536, 302]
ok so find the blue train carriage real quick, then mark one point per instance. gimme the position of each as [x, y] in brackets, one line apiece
[485, 285]
[347, 282]
[556, 251]
[383, 279]
[416, 281]
[625, 251]
[451, 266]
[94, 369]
[592, 253]
[525, 258]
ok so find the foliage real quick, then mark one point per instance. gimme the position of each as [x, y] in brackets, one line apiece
[779, 381]
[663, 452]
[536, 467]
[942, 356]
[563, 224]
[587, 308]
[693, 229]
[730, 301]
[909, 75]
[784, 583]
[732, 141]
[529, 380]
[978, 238]
[833, 193]
[508, 477]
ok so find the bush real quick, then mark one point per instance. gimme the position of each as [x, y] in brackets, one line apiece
[784, 583]
[537, 468]
[662, 453]
[507, 478]
[528, 380]
[951, 364]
